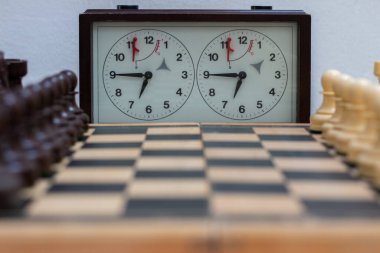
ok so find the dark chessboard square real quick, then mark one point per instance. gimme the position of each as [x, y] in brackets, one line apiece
[268, 137]
[113, 145]
[239, 163]
[310, 175]
[172, 153]
[100, 163]
[301, 154]
[175, 174]
[231, 144]
[167, 207]
[249, 188]
[228, 129]
[87, 188]
[177, 137]
[121, 130]
[343, 209]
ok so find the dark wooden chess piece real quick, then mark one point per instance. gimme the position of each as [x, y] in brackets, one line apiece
[10, 185]
[12, 156]
[17, 69]
[71, 99]
[3, 74]
[61, 139]
[30, 145]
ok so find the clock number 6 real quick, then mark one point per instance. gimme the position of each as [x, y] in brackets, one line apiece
[148, 109]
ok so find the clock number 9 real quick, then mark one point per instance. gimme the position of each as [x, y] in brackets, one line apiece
[112, 74]
[206, 75]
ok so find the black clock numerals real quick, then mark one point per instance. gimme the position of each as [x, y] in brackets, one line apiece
[149, 40]
[272, 92]
[118, 93]
[213, 56]
[120, 57]
[272, 57]
[224, 104]
[184, 74]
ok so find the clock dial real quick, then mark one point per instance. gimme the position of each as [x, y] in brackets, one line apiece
[242, 74]
[148, 74]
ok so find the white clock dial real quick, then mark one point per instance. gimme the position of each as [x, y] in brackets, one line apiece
[148, 74]
[242, 74]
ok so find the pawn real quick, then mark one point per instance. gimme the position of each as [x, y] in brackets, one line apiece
[73, 107]
[343, 83]
[10, 186]
[367, 161]
[376, 70]
[327, 108]
[355, 121]
[367, 137]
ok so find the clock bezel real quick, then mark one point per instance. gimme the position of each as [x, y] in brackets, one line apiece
[302, 19]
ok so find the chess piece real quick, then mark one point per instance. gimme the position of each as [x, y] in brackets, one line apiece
[376, 70]
[367, 161]
[12, 156]
[367, 137]
[72, 103]
[17, 69]
[327, 108]
[55, 122]
[341, 86]
[3, 74]
[354, 122]
[10, 185]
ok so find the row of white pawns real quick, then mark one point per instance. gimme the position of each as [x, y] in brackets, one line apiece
[349, 120]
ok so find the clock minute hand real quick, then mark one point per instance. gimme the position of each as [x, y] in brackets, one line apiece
[131, 74]
[234, 75]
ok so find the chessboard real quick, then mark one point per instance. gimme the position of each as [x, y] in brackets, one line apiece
[197, 188]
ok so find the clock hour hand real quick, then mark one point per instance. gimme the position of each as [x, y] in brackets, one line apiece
[242, 75]
[226, 75]
[148, 75]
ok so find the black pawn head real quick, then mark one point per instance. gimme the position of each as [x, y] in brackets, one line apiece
[72, 77]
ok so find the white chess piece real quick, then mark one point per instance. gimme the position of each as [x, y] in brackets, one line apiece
[327, 108]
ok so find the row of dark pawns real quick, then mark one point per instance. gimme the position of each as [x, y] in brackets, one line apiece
[38, 126]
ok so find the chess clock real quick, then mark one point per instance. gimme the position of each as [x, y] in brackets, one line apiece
[195, 65]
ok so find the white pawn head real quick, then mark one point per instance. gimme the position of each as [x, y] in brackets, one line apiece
[357, 90]
[344, 86]
[328, 79]
[376, 69]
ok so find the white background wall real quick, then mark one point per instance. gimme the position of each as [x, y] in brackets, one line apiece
[345, 33]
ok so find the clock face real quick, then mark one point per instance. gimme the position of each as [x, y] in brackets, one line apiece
[147, 71]
[242, 74]
[148, 74]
